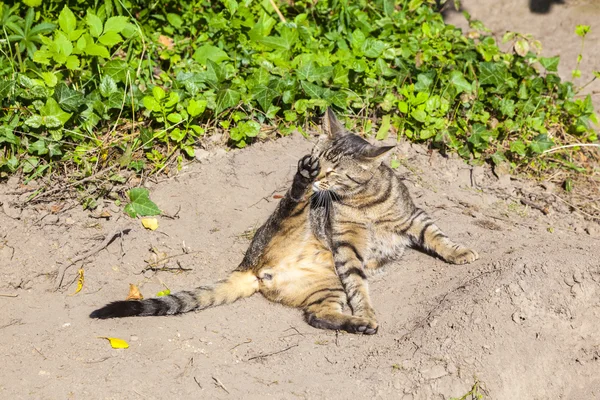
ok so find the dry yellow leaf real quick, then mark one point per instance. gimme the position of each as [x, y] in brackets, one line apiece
[134, 293]
[150, 223]
[79, 282]
[116, 343]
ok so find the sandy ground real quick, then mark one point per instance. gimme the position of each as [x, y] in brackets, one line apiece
[523, 320]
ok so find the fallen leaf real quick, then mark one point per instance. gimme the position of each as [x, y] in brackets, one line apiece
[166, 41]
[134, 293]
[150, 223]
[162, 293]
[79, 282]
[116, 343]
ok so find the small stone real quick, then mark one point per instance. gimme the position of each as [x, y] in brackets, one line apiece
[51, 219]
[69, 221]
[590, 230]
[133, 338]
[66, 324]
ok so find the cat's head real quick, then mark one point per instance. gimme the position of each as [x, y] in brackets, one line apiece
[347, 160]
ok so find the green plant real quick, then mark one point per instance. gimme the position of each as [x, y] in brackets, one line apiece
[105, 89]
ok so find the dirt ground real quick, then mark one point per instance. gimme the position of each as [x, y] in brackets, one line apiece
[523, 320]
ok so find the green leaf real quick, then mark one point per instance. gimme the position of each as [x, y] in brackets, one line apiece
[6, 88]
[226, 98]
[151, 103]
[116, 69]
[68, 99]
[264, 95]
[110, 38]
[140, 204]
[66, 20]
[72, 62]
[94, 23]
[115, 24]
[384, 129]
[50, 79]
[158, 93]
[541, 143]
[35, 121]
[175, 20]
[174, 118]
[38, 147]
[312, 90]
[582, 30]
[459, 82]
[518, 147]
[94, 49]
[196, 107]
[52, 111]
[491, 73]
[107, 86]
[550, 63]
[209, 52]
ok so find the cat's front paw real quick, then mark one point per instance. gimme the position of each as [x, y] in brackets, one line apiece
[463, 255]
[309, 167]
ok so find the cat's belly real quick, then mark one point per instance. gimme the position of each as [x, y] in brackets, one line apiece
[297, 271]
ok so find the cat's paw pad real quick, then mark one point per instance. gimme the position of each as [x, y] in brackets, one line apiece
[308, 167]
[463, 256]
[366, 326]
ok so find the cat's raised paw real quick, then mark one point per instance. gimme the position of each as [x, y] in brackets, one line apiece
[463, 256]
[309, 167]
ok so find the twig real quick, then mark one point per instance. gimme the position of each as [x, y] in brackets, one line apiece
[108, 240]
[576, 208]
[157, 263]
[70, 185]
[571, 145]
[174, 216]
[239, 344]
[220, 384]
[8, 295]
[165, 269]
[12, 322]
[198, 383]
[281, 17]
[531, 204]
[272, 354]
[39, 352]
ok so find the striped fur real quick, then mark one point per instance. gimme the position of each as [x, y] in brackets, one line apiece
[374, 218]
[345, 215]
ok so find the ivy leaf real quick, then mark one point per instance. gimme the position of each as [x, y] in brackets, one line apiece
[140, 204]
[67, 98]
[491, 73]
[227, 98]
[52, 112]
[312, 90]
[518, 147]
[264, 95]
[38, 147]
[116, 69]
[460, 83]
[107, 86]
[550, 63]
[541, 143]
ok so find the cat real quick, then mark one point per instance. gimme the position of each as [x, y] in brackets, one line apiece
[345, 214]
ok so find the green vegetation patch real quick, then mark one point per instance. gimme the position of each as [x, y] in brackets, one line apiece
[87, 85]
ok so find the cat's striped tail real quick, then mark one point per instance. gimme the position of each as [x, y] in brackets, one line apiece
[238, 285]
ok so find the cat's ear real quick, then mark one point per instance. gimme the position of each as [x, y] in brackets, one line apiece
[375, 152]
[331, 126]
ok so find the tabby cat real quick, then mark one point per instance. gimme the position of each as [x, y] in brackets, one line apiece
[345, 214]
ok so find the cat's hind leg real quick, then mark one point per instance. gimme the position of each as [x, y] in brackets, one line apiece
[424, 233]
[324, 310]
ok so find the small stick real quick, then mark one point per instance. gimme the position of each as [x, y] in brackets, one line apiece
[8, 295]
[281, 17]
[531, 204]
[239, 344]
[272, 354]
[108, 240]
[576, 208]
[198, 383]
[220, 384]
[162, 260]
